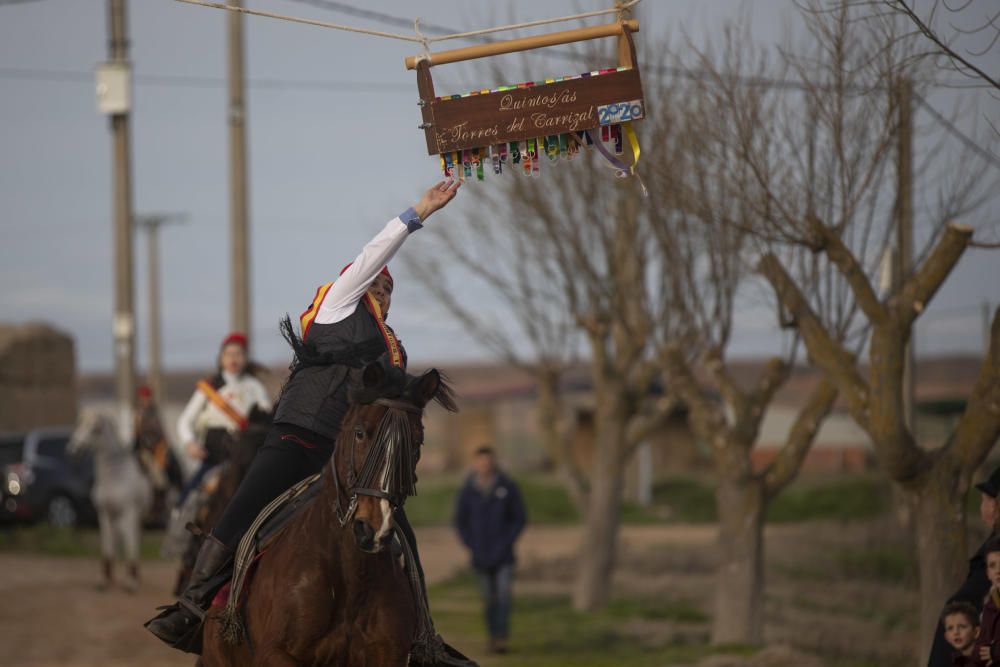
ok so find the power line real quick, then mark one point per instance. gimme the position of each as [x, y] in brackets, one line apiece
[957, 133]
[16, 2]
[193, 81]
[566, 54]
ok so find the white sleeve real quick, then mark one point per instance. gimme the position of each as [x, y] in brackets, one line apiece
[345, 294]
[185, 424]
[261, 399]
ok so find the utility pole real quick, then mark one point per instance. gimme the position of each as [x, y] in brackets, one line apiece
[904, 232]
[114, 99]
[985, 314]
[238, 213]
[152, 223]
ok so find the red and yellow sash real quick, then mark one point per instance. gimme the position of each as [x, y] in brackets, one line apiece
[307, 317]
[390, 338]
[391, 344]
[219, 402]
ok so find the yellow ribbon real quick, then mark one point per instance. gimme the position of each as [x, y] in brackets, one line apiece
[634, 142]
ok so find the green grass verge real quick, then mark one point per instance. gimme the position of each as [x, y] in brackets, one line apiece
[545, 498]
[847, 499]
[688, 499]
[547, 632]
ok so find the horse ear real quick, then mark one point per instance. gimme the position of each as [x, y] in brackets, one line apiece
[373, 376]
[426, 387]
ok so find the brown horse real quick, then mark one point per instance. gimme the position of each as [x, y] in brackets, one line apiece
[329, 590]
[240, 452]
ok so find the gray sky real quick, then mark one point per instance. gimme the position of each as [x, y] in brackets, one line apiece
[332, 157]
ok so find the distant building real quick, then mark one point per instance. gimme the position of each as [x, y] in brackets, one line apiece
[498, 406]
[37, 377]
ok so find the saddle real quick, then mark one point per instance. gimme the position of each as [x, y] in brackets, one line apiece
[429, 649]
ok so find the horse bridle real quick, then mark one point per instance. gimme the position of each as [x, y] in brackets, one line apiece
[375, 469]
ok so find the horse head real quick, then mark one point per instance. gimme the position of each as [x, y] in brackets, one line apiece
[375, 460]
[96, 431]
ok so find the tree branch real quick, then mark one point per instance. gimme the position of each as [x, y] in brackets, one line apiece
[845, 261]
[919, 289]
[786, 465]
[979, 426]
[642, 425]
[824, 351]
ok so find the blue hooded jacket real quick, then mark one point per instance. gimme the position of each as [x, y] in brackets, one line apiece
[489, 524]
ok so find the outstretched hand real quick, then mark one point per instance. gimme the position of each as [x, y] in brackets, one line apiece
[437, 197]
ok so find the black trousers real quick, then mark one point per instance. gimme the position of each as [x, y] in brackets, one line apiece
[289, 455]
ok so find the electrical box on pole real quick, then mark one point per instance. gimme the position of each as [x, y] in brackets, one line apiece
[114, 87]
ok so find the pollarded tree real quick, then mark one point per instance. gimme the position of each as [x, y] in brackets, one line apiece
[703, 235]
[817, 167]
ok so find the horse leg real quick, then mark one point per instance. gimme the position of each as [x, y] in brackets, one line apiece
[107, 532]
[131, 529]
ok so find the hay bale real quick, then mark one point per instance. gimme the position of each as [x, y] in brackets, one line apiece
[37, 377]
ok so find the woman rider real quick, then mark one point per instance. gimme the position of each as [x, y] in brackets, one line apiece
[219, 408]
[345, 321]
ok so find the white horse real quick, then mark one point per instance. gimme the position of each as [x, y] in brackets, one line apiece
[122, 494]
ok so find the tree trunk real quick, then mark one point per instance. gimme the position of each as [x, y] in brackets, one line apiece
[739, 586]
[600, 538]
[939, 520]
[556, 440]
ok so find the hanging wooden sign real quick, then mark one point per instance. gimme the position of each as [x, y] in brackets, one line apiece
[554, 117]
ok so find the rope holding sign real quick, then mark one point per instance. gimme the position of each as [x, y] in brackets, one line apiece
[421, 40]
[552, 118]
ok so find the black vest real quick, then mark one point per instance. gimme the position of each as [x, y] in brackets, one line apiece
[315, 397]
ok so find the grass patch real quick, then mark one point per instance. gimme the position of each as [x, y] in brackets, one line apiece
[546, 631]
[545, 498]
[848, 499]
[47, 540]
[686, 499]
[886, 564]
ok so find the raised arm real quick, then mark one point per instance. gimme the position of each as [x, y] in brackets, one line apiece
[347, 291]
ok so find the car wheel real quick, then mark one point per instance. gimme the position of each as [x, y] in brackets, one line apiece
[62, 512]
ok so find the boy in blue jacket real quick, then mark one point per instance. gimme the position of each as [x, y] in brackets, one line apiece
[489, 517]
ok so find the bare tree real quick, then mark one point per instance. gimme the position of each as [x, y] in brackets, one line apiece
[984, 26]
[702, 232]
[530, 330]
[817, 166]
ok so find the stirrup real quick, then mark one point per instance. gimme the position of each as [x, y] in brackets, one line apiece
[191, 640]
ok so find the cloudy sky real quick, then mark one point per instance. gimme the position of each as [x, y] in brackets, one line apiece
[334, 152]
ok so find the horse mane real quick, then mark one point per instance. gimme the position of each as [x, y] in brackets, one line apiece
[445, 394]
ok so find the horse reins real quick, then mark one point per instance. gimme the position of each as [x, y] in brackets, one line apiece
[381, 463]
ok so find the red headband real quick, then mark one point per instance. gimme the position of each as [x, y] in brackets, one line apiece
[235, 338]
[384, 272]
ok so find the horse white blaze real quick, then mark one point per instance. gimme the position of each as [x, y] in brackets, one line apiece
[386, 520]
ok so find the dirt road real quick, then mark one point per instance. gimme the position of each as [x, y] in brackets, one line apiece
[54, 615]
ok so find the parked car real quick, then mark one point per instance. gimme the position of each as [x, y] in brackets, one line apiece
[40, 481]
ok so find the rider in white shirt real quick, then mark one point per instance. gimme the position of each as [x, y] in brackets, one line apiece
[219, 407]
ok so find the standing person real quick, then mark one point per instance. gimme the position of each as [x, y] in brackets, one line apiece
[341, 332]
[219, 407]
[976, 584]
[154, 453]
[489, 517]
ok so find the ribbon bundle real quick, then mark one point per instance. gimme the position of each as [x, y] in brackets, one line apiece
[527, 156]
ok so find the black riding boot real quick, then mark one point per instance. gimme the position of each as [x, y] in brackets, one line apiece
[179, 625]
[447, 656]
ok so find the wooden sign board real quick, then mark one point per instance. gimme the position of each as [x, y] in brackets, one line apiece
[515, 113]
[557, 107]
